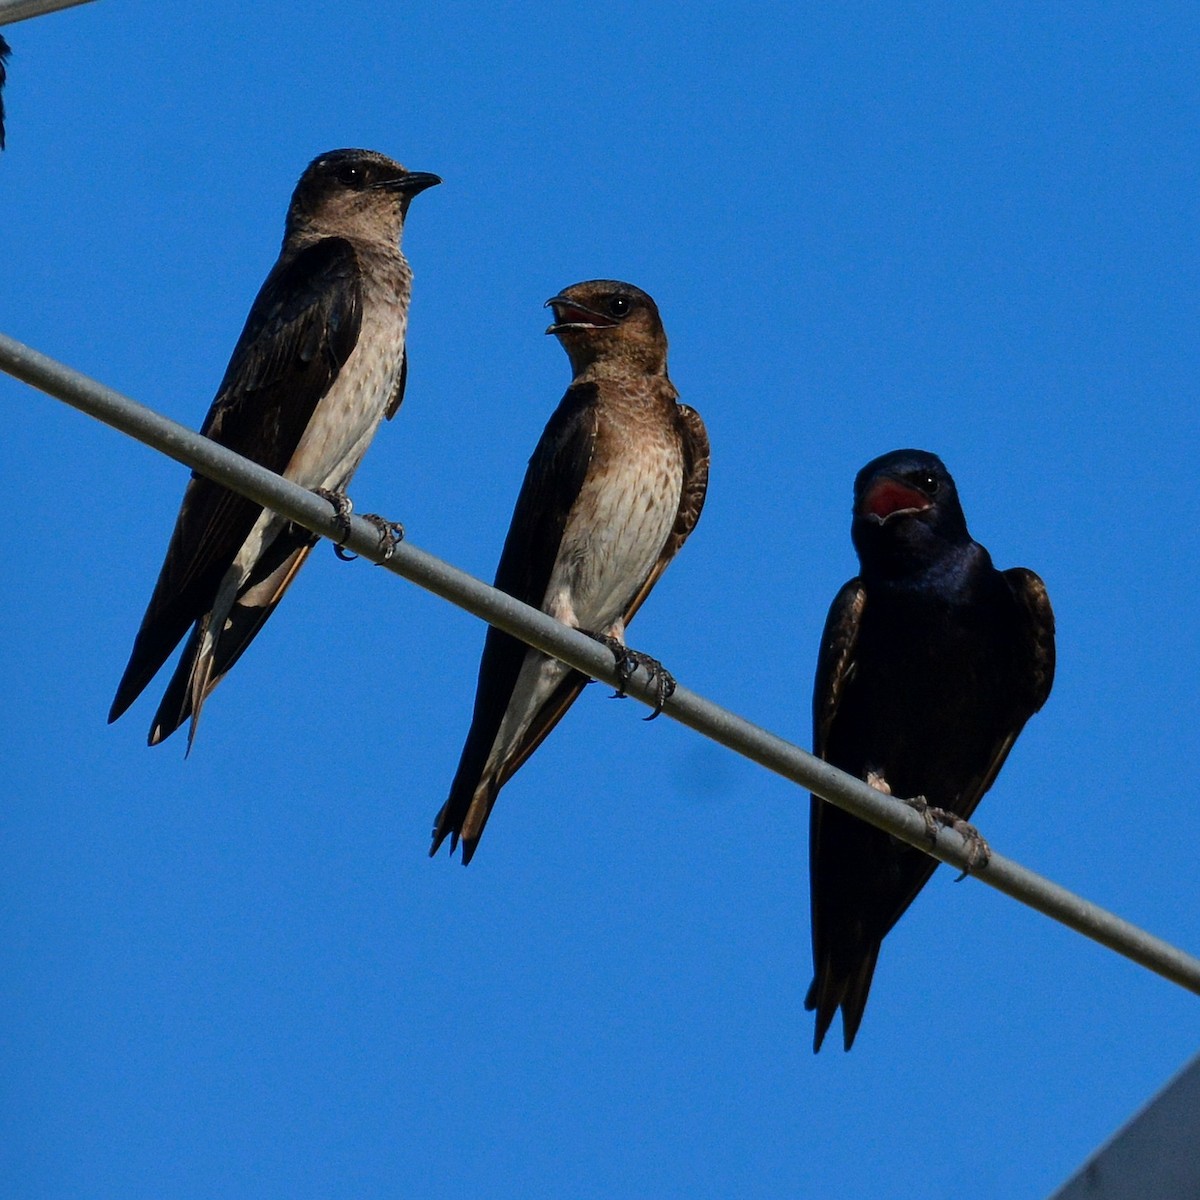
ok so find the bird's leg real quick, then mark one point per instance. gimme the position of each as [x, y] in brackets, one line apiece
[627, 662]
[978, 851]
[924, 809]
[918, 804]
[391, 533]
[343, 506]
[623, 659]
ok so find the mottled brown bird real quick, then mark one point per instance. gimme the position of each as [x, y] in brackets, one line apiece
[613, 490]
[931, 662]
[319, 364]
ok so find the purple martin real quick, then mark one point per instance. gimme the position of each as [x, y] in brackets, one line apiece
[5, 51]
[318, 366]
[612, 491]
[931, 662]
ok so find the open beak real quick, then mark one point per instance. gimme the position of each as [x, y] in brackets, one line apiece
[889, 498]
[570, 314]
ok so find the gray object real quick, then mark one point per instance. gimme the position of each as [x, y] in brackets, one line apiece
[12, 11]
[1156, 1156]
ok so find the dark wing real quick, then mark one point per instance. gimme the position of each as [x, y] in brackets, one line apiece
[832, 984]
[552, 485]
[302, 327]
[4, 53]
[1031, 673]
[694, 442]
[835, 662]
[271, 577]
[694, 445]
[1036, 633]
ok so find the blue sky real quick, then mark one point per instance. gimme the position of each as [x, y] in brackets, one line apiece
[971, 229]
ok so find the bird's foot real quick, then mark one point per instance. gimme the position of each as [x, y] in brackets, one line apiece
[391, 533]
[627, 662]
[924, 810]
[343, 506]
[978, 851]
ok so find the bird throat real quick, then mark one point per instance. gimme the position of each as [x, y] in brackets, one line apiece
[889, 497]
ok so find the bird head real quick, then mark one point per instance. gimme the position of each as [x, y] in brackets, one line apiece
[355, 193]
[907, 516]
[604, 319]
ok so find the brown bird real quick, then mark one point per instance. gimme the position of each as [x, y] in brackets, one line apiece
[931, 662]
[318, 366]
[613, 489]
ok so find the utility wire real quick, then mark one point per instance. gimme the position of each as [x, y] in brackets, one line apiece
[12, 11]
[579, 651]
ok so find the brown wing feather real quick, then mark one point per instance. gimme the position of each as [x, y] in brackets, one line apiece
[1036, 647]
[547, 717]
[1038, 631]
[552, 484]
[465, 813]
[835, 662]
[243, 623]
[696, 456]
[302, 327]
[835, 669]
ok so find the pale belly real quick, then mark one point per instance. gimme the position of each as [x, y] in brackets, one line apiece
[347, 417]
[342, 426]
[611, 545]
[620, 524]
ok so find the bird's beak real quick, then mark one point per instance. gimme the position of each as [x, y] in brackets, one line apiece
[410, 183]
[889, 498]
[570, 314]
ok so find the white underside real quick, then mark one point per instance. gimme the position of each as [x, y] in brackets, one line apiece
[328, 454]
[612, 541]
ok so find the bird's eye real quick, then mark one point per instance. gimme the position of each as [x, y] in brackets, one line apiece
[350, 175]
[926, 481]
[618, 306]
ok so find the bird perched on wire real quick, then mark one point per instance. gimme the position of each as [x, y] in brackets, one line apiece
[613, 490]
[5, 51]
[319, 364]
[931, 662]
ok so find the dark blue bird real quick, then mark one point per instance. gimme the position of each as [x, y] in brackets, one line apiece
[5, 51]
[931, 663]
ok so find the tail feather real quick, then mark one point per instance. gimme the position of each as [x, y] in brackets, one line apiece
[465, 813]
[176, 704]
[478, 780]
[197, 674]
[191, 683]
[156, 639]
[843, 985]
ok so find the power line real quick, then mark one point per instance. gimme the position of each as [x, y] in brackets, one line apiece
[12, 11]
[548, 635]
